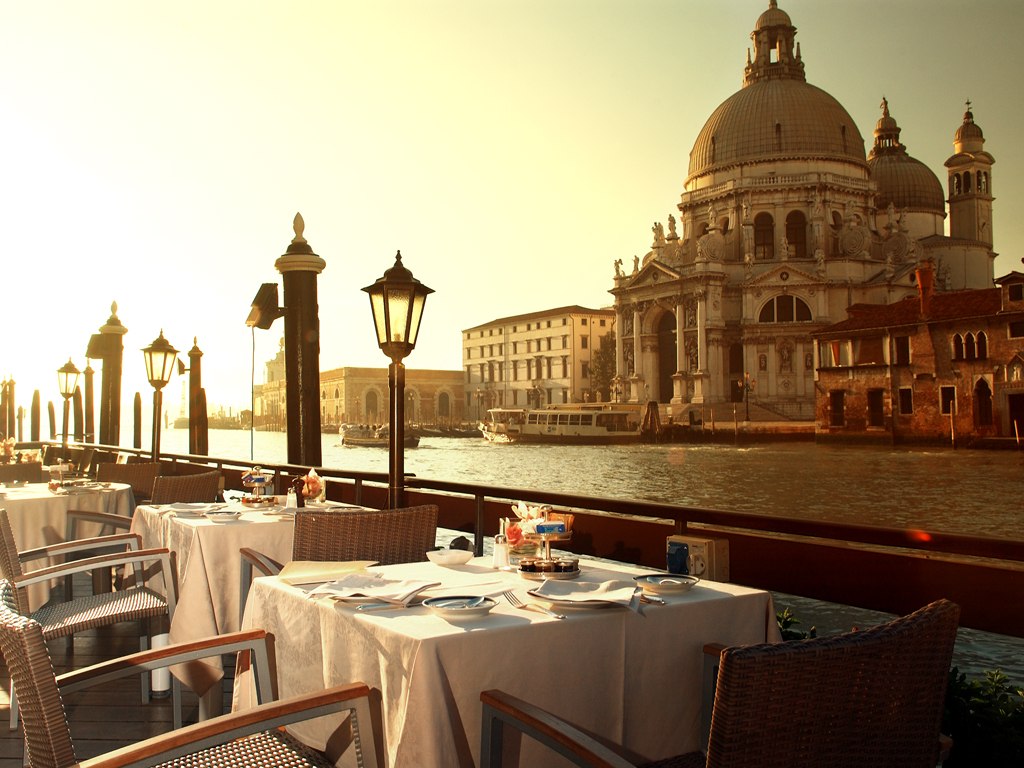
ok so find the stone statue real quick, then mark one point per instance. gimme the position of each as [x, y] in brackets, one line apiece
[672, 227]
[636, 264]
[659, 234]
[712, 217]
[746, 210]
[785, 358]
[816, 202]
[784, 247]
[618, 267]
[891, 211]
[748, 265]
[819, 258]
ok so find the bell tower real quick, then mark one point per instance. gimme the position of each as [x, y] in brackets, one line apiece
[970, 183]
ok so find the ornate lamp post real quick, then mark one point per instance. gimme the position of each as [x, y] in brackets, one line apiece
[397, 301]
[67, 382]
[160, 358]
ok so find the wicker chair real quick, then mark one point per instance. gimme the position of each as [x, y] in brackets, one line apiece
[73, 615]
[29, 472]
[139, 476]
[204, 486]
[870, 697]
[388, 536]
[252, 737]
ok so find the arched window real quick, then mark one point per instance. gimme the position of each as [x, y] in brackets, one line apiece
[337, 393]
[967, 182]
[837, 221]
[958, 347]
[969, 348]
[956, 183]
[764, 237]
[982, 346]
[982, 403]
[785, 309]
[724, 221]
[796, 234]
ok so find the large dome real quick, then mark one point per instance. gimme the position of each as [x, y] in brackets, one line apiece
[776, 119]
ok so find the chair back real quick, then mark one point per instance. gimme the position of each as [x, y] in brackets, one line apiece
[388, 536]
[870, 697]
[139, 476]
[47, 737]
[10, 563]
[29, 471]
[196, 488]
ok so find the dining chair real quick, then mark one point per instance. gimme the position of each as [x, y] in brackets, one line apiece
[203, 486]
[72, 615]
[28, 471]
[868, 697]
[251, 737]
[139, 476]
[387, 536]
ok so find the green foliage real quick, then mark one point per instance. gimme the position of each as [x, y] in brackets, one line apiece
[785, 619]
[985, 719]
[602, 366]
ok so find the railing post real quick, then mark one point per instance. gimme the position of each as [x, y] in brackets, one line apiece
[478, 535]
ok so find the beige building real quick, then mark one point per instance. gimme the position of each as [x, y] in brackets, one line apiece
[533, 359]
[784, 221]
[361, 396]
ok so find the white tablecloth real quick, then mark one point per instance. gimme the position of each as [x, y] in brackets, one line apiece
[39, 517]
[209, 567]
[634, 677]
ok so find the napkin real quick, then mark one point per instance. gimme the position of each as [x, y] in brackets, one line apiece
[313, 572]
[358, 587]
[618, 591]
[197, 509]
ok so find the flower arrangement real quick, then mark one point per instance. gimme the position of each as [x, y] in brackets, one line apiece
[7, 450]
[313, 486]
[527, 519]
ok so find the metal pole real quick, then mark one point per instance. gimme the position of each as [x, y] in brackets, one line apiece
[396, 437]
[67, 411]
[157, 407]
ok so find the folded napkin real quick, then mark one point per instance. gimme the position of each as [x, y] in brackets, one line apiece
[358, 587]
[619, 592]
[312, 572]
[197, 509]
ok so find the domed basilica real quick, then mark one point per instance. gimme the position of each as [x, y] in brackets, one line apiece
[783, 223]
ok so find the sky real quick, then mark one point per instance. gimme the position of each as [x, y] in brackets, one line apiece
[156, 154]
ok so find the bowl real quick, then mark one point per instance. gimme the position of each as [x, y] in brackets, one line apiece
[449, 556]
[666, 583]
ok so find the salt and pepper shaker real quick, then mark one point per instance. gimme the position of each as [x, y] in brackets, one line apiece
[500, 559]
[297, 485]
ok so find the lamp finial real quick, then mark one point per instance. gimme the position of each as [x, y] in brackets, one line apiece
[299, 226]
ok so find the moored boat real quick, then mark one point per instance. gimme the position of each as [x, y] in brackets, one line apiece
[578, 424]
[369, 437]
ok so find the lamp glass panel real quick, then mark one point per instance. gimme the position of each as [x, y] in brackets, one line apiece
[418, 300]
[398, 311]
[67, 382]
[380, 319]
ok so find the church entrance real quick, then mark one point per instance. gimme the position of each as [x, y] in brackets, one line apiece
[666, 356]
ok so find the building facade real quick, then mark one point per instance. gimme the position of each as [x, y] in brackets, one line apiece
[361, 396]
[939, 366]
[784, 222]
[533, 359]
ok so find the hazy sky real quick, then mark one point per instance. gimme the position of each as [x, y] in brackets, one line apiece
[157, 152]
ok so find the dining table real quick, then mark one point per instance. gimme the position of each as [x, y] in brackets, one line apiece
[632, 672]
[38, 516]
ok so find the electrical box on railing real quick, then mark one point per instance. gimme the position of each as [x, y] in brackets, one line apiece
[704, 558]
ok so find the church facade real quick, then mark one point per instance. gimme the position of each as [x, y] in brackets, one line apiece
[785, 221]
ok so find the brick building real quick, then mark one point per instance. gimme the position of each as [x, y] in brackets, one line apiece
[932, 367]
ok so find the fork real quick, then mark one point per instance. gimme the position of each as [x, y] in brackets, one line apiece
[515, 602]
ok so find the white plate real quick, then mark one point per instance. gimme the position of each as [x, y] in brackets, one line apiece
[456, 607]
[449, 556]
[222, 516]
[667, 583]
[561, 602]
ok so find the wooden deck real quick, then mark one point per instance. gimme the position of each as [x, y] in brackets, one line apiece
[105, 717]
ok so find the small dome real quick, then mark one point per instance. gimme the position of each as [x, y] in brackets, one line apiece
[969, 130]
[902, 180]
[773, 17]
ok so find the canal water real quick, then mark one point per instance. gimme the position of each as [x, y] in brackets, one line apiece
[972, 492]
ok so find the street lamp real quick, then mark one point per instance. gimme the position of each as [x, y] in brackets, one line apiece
[67, 381]
[397, 301]
[160, 358]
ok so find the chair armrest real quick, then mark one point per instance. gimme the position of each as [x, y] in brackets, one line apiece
[161, 556]
[254, 640]
[257, 561]
[75, 516]
[130, 540]
[354, 697]
[501, 709]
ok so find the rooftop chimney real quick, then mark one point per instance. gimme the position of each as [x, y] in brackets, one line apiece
[926, 285]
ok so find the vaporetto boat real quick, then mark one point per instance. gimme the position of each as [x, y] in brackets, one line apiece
[577, 424]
